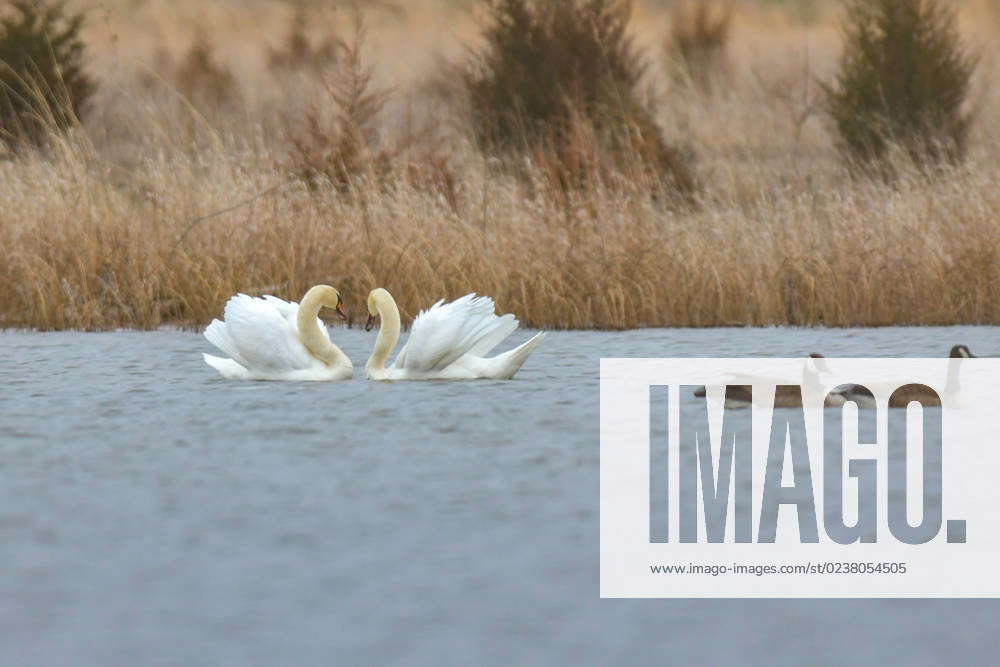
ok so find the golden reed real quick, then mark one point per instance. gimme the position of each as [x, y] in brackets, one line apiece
[157, 212]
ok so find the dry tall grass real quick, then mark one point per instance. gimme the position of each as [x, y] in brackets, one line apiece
[157, 211]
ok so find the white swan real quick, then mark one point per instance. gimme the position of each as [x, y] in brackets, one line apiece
[271, 339]
[447, 341]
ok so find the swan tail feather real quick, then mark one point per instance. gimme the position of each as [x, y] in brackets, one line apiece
[510, 362]
[218, 335]
[227, 368]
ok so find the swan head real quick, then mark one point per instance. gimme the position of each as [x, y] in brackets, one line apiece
[374, 297]
[329, 297]
[960, 352]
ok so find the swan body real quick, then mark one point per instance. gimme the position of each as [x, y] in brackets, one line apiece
[271, 339]
[448, 341]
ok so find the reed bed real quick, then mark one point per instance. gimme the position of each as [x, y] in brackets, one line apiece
[159, 208]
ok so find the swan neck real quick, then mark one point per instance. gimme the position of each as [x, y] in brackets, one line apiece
[388, 333]
[310, 335]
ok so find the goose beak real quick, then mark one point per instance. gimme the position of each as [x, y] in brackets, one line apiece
[340, 310]
[369, 323]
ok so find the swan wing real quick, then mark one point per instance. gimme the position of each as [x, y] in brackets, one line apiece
[218, 335]
[290, 311]
[502, 327]
[446, 331]
[264, 338]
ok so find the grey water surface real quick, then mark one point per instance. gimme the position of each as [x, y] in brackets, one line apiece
[152, 513]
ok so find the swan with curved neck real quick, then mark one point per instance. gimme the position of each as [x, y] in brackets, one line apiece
[446, 342]
[270, 339]
[307, 323]
[381, 304]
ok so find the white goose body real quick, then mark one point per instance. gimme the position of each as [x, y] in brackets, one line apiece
[271, 339]
[448, 341]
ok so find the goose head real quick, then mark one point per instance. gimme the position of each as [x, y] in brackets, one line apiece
[960, 352]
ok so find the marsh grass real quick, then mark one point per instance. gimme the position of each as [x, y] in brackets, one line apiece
[920, 253]
[138, 223]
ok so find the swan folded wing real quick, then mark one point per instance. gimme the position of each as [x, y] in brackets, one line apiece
[290, 311]
[264, 337]
[502, 327]
[218, 335]
[447, 331]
